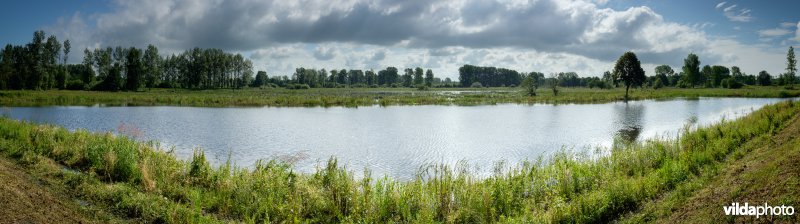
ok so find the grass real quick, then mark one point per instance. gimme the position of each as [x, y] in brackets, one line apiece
[139, 181]
[353, 97]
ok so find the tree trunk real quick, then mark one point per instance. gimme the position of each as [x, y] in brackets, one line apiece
[626, 92]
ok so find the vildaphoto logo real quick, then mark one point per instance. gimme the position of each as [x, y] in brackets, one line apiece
[757, 210]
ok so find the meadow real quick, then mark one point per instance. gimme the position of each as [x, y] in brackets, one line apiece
[143, 182]
[354, 97]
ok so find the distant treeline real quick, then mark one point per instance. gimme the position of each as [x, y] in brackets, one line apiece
[389, 77]
[42, 64]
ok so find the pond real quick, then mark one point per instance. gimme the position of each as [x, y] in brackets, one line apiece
[396, 140]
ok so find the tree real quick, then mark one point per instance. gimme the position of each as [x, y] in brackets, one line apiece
[529, 84]
[737, 75]
[691, 70]
[370, 77]
[429, 78]
[719, 73]
[663, 72]
[764, 78]
[67, 48]
[408, 77]
[88, 61]
[112, 80]
[133, 69]
[418, 80]
[791, 67]
[553, 83]
[261, 79]
[629, 70]
[152, 66]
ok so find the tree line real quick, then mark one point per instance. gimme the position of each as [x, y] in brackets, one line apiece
[42, 64]
[321, 78]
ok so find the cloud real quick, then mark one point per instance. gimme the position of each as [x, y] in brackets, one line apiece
[773, 32]
[543, 35]
[720, 5]
[742, 15]
[549, 25]
[797, 32]
[379, 55]
[324, 53]
[788, 24]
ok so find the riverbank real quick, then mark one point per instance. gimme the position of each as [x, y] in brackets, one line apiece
[353, 97]
[765, 170]
[137, 181]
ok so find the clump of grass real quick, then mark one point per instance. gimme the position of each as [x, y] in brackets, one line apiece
[140, 181]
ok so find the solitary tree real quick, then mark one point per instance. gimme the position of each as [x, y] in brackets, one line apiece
[791, 67]
[554, 83]
[629, 70]
[691, 69]
[530, 83]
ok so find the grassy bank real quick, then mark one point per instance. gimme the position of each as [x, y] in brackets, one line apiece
[137, 181]
[365, 96]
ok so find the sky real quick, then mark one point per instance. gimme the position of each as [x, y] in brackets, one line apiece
[549, 36]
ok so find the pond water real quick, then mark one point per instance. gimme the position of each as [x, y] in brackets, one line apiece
[396, 140]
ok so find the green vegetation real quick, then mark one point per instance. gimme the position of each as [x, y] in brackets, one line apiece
[765, 169]
[140, 181]
[353, 97]
[35, 66]
[629, 71]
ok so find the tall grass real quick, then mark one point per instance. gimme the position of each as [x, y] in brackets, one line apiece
[139, 181]
[353, 97]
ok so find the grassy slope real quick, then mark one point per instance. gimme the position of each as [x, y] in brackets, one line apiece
[365, 96]
[135, 181]
[767, 170]
[23, 201]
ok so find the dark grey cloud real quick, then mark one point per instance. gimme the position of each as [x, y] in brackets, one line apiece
[443, 33]
[378, 55]
[547, 25]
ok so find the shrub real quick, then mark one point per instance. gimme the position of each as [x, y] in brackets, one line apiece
[76, 85]
[298, 86]
[165, 85]
[730, 83]
[657, 84]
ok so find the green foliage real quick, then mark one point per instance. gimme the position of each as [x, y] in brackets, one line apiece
[298, 86]
[691, 70]
[791, 67]
[731, 83]
[488, 76]
[429, 78]
[530, 84]
[476, 85]
[76, 85]
[629, 70]
[657, 84]
[140, 182]
[133, 69]
[764, 79]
